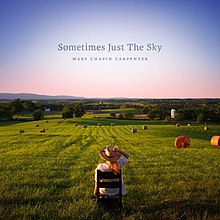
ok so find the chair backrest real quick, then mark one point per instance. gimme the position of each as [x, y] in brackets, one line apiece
[112, 181]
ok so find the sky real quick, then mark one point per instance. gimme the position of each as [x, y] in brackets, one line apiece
[163, 48]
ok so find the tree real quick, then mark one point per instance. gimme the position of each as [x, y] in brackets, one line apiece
[217, 115]
[145, 110]
[38, 115]
[200, 118]
[168, 118]
[152, 114]
[67, 112]
[188, 113]
[28, 106]
[129, 115]
[178, 117]
[5, 114]
[16, 106]
[79, 110]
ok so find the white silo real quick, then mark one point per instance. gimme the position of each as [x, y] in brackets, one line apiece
[172, 113]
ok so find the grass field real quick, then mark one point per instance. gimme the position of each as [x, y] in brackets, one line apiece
[51, 175]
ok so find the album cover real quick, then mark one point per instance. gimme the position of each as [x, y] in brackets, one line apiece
[144, 49]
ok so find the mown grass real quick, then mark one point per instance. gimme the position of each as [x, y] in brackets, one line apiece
[51, 175]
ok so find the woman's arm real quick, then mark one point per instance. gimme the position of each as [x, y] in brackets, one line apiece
[125, 154]
[95, 190]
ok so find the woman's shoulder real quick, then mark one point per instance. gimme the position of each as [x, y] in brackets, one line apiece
[103, 167]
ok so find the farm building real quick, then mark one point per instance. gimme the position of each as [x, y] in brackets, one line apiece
[172, 113]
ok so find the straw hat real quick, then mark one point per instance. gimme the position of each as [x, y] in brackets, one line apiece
[109, 155]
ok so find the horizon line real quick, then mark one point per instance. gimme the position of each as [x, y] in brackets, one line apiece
[116, 97]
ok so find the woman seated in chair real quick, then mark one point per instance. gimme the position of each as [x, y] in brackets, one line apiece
[114, 162]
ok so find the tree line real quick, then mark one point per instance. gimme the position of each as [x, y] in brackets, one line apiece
[184, 113]
[201, 110]
[9, 110]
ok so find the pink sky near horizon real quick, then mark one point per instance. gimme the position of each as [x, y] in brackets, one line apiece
[186, 67]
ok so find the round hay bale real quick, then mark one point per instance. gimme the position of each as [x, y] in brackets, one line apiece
[134, 130]
[178, 124]
[37, 125]
[182, 142]
[85, 125]
[112, 124]
[21, 131]
[76, 124]
[215, 140]
[99, 124]
[42, 130]
[206, 128]
[189, 125]
[145, 127]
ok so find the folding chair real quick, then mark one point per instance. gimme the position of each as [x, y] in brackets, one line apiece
[109, 180]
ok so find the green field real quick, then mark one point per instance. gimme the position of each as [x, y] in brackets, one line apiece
[51, 175]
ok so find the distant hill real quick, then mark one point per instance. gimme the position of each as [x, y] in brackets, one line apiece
[31, 96]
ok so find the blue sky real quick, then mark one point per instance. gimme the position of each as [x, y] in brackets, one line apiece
[186, 67]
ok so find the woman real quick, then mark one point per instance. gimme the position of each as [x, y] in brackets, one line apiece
[114, 162]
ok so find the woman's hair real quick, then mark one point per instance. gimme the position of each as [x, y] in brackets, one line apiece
[113, 166]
